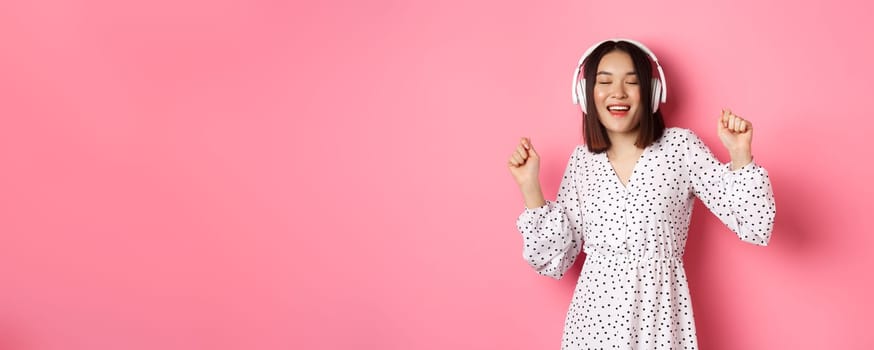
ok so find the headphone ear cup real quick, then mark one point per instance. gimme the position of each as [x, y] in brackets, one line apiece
[656, 94]
[581, 94]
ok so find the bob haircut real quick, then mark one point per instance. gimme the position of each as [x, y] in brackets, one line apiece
[651, 126]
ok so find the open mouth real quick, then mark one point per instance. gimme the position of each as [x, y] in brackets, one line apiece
[618, 110]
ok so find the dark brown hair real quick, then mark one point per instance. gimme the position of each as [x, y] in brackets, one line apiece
[652, 125]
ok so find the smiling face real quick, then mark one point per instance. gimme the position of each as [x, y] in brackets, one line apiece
[617, 94]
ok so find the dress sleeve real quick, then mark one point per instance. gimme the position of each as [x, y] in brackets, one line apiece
[553, 233]
[742, 199]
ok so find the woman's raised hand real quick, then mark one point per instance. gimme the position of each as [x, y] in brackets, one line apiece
[736, 135]
[524, 164]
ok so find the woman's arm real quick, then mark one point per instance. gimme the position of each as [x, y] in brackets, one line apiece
[552, 232]
[738, 193]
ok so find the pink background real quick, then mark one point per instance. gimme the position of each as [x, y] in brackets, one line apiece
[241, 174]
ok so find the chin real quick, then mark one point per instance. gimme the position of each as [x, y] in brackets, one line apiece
[622, 129]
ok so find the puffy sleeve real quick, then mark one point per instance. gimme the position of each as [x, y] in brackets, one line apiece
[553, 233]
[742, 199]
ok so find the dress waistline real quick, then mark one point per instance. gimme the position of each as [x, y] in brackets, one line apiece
[627, 257]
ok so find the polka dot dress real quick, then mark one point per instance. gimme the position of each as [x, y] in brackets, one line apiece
[632, 292]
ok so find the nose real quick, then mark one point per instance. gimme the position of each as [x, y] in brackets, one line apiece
[618, 91]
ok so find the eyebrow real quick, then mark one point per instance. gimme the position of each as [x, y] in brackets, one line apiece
[608, 73]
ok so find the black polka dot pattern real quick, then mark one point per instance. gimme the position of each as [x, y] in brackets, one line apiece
[632, 292]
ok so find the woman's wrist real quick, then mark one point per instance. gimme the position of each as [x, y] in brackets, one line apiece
[740, 158]
[533, 195]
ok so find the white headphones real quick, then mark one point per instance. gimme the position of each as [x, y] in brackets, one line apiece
[659, 87]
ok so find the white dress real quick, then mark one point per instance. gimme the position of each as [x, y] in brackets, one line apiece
[632, 292]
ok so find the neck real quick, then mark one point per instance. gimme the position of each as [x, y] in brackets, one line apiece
[622, 143]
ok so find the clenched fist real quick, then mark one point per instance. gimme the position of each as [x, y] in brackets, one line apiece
[736, 135]
[524, 164]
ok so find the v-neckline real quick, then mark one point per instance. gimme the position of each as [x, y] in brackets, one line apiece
[631, 177]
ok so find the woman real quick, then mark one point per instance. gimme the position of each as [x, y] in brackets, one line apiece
[626, 199]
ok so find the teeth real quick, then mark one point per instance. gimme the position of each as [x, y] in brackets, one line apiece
[618, 108]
